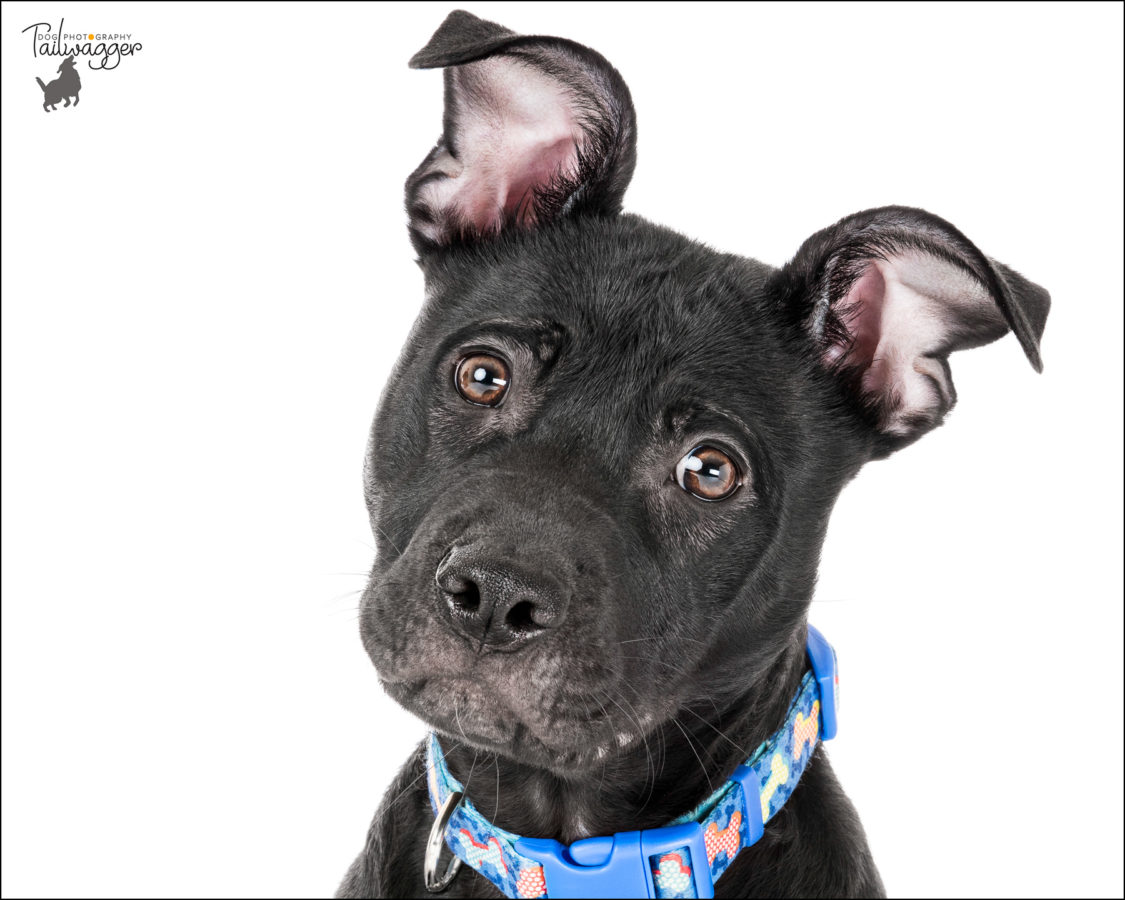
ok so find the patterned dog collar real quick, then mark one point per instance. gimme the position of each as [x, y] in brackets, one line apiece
[682, 859]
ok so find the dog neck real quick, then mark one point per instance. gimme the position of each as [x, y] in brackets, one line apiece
[678, 765]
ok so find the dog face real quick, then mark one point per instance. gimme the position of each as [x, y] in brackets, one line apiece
[601, 472]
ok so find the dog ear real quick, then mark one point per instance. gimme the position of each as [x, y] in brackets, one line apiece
[887, 295]
[534, 128]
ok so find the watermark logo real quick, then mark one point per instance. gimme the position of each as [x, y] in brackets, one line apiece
[64, 88]
[103, 52]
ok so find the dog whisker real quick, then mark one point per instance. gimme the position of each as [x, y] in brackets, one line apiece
[642, 720]
[743, 753]
[496, 762]
[342, 596]
[406, 789]
[457, 718]
[383, 532]
[697, 757]
[659, 637]
[369, 546]
[661, 662]
[472, 768]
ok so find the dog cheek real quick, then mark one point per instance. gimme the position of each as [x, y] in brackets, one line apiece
[378, 639]
[385, 630]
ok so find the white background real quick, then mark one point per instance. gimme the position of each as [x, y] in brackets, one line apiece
[206, 279]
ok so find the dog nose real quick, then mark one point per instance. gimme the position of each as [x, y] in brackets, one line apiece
[495, 605]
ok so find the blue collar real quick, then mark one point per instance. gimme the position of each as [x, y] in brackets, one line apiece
[682, 859]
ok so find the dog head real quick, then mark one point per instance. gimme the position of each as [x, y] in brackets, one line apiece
[67, 63]
[602, 469]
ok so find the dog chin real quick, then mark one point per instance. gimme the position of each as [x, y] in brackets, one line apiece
[462, 711]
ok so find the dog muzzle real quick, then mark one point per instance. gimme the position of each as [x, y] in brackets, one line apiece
[683, 859]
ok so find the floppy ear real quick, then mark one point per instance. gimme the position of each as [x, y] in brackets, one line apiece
[534, 128]
[888, 294]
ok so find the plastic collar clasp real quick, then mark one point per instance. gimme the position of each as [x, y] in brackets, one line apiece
[621, 865]
[823, 659]
[618, 865]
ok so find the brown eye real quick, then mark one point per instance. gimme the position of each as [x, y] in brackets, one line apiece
[482, 379]
[708, 473]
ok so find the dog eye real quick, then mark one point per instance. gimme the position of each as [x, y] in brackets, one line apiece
[482, 379]
[708, 473]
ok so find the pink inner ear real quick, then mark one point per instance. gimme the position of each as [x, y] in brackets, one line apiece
[863, 316]
[515, 132]
[901, 315]
[535, 167]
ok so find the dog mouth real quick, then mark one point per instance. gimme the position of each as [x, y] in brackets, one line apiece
[557, 688]
[457, 706]
[464, 710]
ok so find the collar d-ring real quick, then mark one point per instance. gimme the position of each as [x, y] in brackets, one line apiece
[436, 841]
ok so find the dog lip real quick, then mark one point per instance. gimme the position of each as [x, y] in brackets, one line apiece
[460, 707]
[486, 727]
[457, 705]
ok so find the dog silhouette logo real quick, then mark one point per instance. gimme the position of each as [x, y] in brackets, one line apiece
[63, 88]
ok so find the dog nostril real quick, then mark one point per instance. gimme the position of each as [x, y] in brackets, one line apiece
[520, 618]
[493, 606]
[467, 599]
[461, 592]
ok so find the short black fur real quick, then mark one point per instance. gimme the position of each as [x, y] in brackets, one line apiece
[676, 636]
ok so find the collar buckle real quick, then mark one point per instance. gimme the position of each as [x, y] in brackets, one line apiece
[823, 659]
[619, 865]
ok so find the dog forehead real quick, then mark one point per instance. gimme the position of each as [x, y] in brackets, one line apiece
[620, 292]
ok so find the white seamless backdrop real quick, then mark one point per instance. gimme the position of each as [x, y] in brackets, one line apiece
[206, 280]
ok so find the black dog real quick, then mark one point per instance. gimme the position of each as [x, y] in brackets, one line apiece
[67, 85]
[601, 473]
